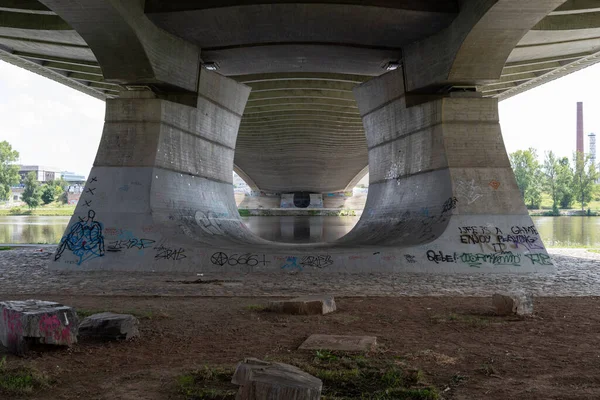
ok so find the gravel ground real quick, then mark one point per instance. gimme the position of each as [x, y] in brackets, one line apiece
[24, 271]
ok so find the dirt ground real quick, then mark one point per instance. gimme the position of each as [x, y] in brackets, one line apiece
[464, 350]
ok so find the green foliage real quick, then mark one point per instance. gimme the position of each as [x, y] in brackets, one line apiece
[208, 383]
[48, 193]
[528, 174]
[557, 182]
[345, 376]
[19, 381]
[32, 195]
[9, 172]
[585, 176]
[244, 212]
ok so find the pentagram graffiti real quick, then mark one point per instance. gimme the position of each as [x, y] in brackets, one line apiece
[221, 259]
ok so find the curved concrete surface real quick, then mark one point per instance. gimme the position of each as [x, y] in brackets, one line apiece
[449, 208]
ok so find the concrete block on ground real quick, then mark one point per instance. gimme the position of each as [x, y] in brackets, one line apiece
[260, 380]
[307, 305]
[339, 343]
[36, 322]
[110, 326]
[517, 303]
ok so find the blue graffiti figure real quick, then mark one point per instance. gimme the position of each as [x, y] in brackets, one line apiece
[84, 239]
[291, 263]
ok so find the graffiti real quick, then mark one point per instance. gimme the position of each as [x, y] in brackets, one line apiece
[494, 184]
[526, 241]
[124, 188]
[475, 239]
[468, 190]
[87, 203]
[477, 230]
[291, 263]
[93, 179]
[425, 211]
[90, 191]
[165, 253]
[539, 258]
[352, 258]
[438, 257]
[221, 259]
[13, 324]
[51, 327]
[149, 229]
[126, 244]
[113, 231]
[449, 205]
[493, 236]
[84, 239]
[525, 230]
[209, 222]
[318, 261]
[410, 258]
[474, 260]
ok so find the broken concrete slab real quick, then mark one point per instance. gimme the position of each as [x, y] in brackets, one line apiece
[23, 323]
[307, 305]
[110, 326]
[515, 303]
[261, 380]
[339, 343]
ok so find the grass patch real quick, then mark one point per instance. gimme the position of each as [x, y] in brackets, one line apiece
[345, 376]
[244, 212]
[86, 313]
[50, 210]
[208, 383]
[20, 380]
[597, 251]
[3, 248]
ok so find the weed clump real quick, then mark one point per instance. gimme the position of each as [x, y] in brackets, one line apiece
[20, 380]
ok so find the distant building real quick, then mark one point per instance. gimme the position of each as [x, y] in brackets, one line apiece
[579, 132]
[72, 177]
[592, 138]
[44, 174]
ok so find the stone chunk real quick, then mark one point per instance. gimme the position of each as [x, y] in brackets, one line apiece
[260, 380]
[36, 321]
[110, 326]
[339, 343]
[308, 305]
[513, 303]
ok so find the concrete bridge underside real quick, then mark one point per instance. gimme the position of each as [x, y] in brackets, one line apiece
[304, 97]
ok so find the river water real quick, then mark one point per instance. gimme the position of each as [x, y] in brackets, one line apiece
[555, 231]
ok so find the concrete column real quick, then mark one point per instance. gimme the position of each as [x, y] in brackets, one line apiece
[161, 185]
[440, 180]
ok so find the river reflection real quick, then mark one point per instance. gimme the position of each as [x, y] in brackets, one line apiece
[555, 231]
[32, 229]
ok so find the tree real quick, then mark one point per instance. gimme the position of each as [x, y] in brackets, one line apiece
[550, 170]
[558, 179]
[528, 174]
[564, 183]
[31, 194]
[584, 178]
[9, 172]
[48, 191]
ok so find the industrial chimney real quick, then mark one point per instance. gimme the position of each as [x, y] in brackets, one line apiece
[580, 127]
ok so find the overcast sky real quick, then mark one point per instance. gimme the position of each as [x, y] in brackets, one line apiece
[53, 125]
